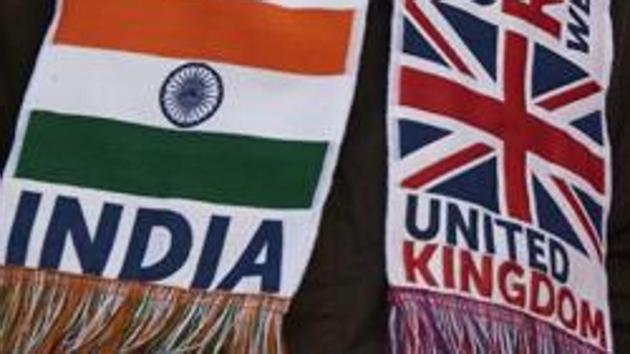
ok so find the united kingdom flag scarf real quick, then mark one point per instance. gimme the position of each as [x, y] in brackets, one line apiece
[173, 157]
[170, 167]
[499, 183]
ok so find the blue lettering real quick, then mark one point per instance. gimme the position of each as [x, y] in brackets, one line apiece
[511, 229]
[559, 261]
[579, 32]
[488, 226]
[270, 237]
[457, 224]
[181, 242]
[431, 230]
[67, 219]
[22, 228]
[535, 241]
[211, 252]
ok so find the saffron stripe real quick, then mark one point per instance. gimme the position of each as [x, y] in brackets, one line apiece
[134, 159]
[249, 33]
[430, 173]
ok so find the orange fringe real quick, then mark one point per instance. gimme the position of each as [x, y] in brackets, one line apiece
[44, 312]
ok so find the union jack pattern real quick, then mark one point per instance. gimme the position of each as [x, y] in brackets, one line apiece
[488, 115]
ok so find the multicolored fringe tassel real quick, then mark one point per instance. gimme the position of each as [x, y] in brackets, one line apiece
[422, 322]
[46, 312]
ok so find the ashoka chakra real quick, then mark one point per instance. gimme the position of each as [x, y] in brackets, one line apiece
[191, 94]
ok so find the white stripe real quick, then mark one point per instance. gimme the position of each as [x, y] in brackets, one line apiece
[126, 87]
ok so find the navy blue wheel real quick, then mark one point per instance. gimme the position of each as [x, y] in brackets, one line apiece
[191, 94]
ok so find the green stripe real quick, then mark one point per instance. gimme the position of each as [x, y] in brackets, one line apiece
[134, 159]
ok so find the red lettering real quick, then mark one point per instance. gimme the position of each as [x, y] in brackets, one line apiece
[418, 264]
[482, 278]
[514, 294]
[592, 327]
[448, 266]
[541, 285]
[567, 302]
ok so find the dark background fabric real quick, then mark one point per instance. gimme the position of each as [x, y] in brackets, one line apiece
[341, 306]
[619, 223]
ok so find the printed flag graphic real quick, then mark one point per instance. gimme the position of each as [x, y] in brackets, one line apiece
[499, 172]
[555, 83]
[225, 115]
[97, 46]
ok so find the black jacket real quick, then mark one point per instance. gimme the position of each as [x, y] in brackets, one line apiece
[341, 307]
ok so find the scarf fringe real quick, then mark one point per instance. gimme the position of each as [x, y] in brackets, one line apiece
[45, 312]
[423, 322]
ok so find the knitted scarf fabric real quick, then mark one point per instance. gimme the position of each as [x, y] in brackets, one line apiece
[170, 167]
[499, 183]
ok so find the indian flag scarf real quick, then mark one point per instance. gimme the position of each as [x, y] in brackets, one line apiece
[170, 167]
[499, 183]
